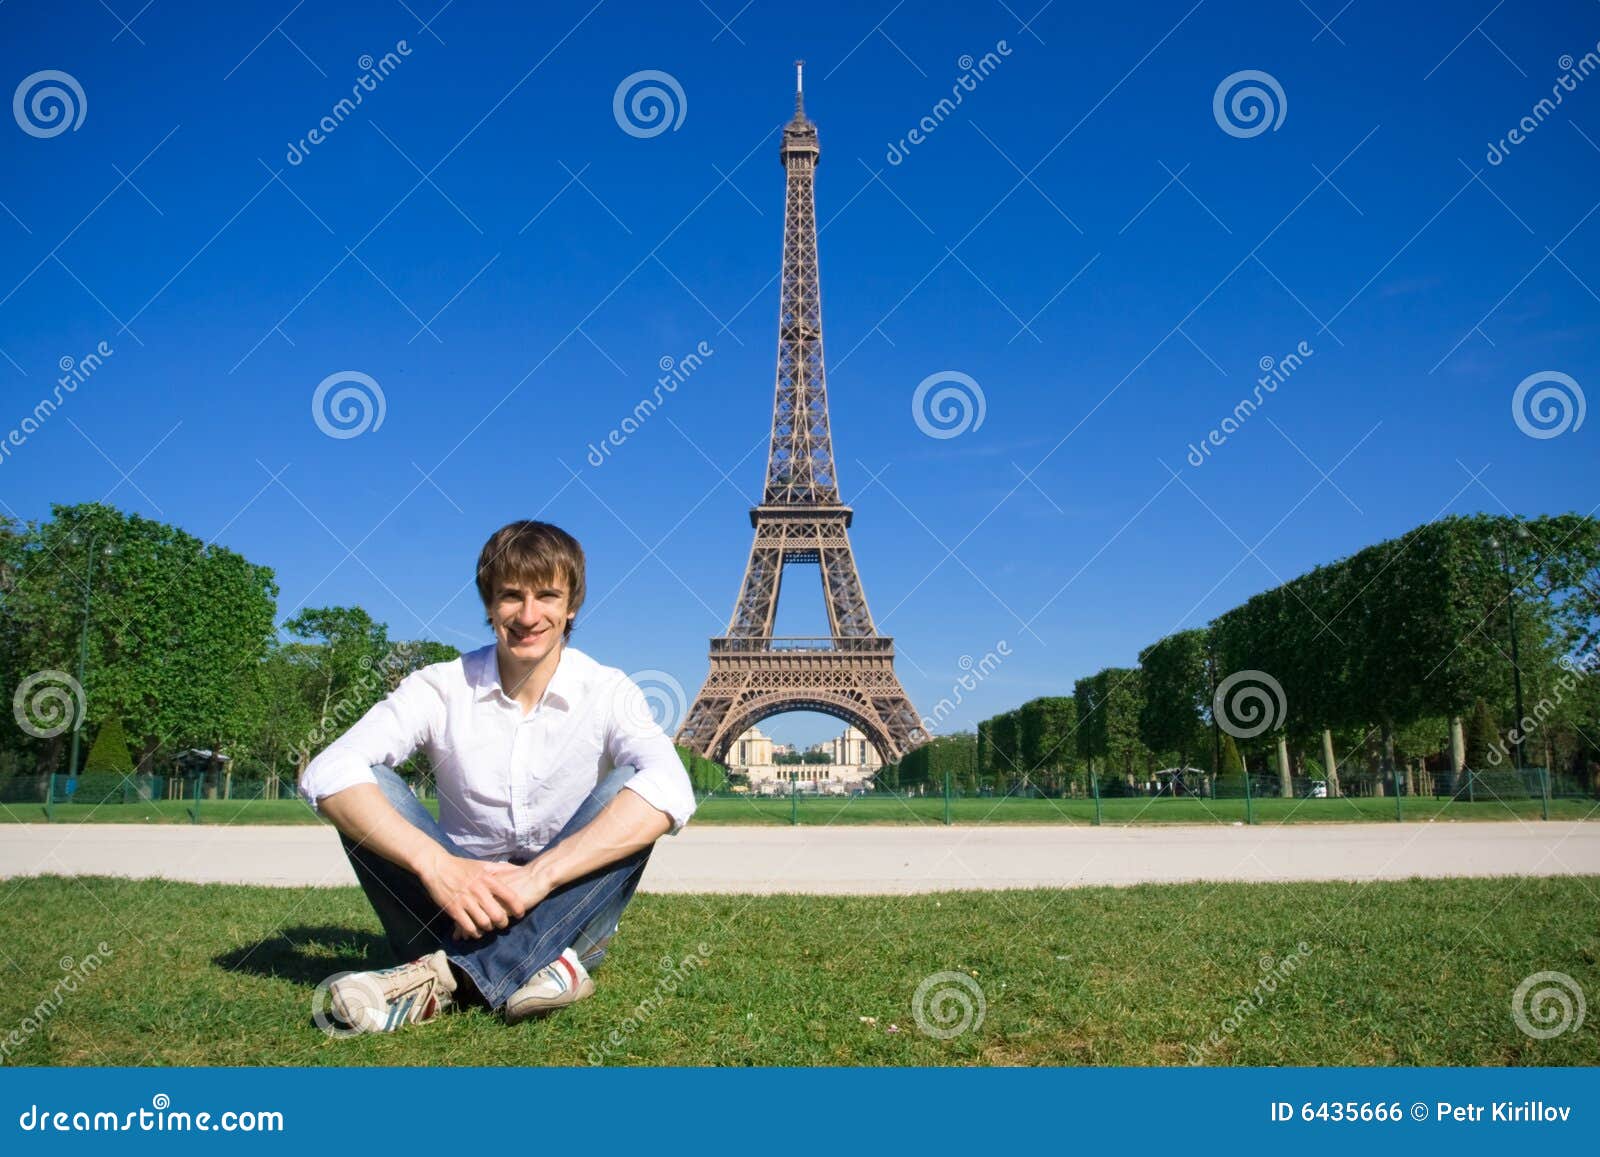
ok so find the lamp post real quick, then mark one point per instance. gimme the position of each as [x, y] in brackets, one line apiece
[83, 635]
[1216, 732]
[1511, 624]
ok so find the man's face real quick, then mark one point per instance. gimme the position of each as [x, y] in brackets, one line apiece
[530, 617]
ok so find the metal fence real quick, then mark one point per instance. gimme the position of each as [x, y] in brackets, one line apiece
[1250, 799]
[1531, 793]
[187, 793]
[228, 797]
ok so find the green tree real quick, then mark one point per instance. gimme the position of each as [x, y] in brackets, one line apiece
[283, 731]
[705, 775]
[347, 661]
[110, 750]
[1230, 780]
[1109, 704]
[12, 545]
[1177, 692]
[410, 656]
[175, 625]
[1397, 638]
[1057, 723]
[1005, 733]
[953, 756]
[1482, 735]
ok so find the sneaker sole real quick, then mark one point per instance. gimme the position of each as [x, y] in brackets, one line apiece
[533, 1007]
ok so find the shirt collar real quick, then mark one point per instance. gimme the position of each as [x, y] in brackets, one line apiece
[564, 684]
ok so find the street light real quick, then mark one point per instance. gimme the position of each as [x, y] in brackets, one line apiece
[83, 636]
[1511, 620]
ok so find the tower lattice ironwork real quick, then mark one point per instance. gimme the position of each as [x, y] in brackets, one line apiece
[801, 519]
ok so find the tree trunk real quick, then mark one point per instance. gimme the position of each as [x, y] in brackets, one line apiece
[1285, 776]
[1458, 745]
[1330, 762]
[1386, 770]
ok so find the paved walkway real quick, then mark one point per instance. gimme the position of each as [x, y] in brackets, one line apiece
[871, 859]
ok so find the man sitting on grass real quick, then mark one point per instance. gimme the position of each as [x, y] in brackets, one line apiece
[510, 898]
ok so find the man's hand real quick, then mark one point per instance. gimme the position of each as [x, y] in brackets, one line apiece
[626, 825]
[479, 895]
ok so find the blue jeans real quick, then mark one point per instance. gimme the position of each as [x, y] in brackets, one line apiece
[582, 914]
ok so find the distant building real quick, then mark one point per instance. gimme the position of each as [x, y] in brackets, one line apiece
[854, 762]
[852, 749]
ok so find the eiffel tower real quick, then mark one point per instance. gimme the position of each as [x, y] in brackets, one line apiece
[754, 675]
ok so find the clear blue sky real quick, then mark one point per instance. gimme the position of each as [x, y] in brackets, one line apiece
[556, 259]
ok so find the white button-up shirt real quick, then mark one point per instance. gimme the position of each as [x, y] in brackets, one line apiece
[508, 780]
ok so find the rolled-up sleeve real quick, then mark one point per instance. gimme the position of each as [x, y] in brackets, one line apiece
[634, 739]
[389, 733]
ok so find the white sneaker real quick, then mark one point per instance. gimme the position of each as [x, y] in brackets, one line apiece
[382, 1001]
[562, 982]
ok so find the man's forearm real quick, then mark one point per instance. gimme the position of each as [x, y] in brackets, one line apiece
[364, 815]
[624, 826]
[477, 895]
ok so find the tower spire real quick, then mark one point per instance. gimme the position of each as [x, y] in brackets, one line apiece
[799, 89]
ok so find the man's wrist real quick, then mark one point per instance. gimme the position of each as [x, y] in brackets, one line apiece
[425, 860]
[539, 876]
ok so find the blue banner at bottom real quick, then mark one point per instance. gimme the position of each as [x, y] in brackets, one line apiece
[796, 1110]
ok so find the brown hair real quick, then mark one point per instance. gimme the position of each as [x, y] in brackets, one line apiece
[533, 552]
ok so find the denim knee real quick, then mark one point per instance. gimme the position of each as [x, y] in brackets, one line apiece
[613, 782]
[391, 784]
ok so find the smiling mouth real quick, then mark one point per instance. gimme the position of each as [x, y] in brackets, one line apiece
[526, 636]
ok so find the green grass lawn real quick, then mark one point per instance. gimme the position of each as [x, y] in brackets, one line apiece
[1408, 972]
[926, 810]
